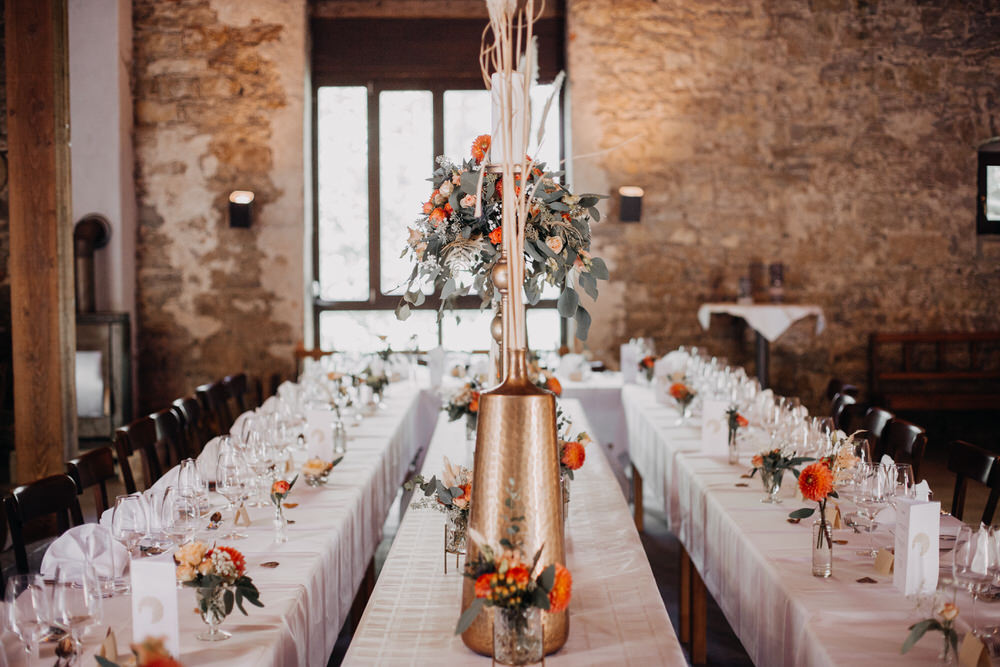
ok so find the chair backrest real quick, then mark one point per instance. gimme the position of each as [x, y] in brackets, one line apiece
[238, 388]
[970, 462]
[840, 410]
[53, 495]
[169, 438]
[214, 399]
[905, 442]
[94, 469]
[188, 411]
[139, 436]
[874, 424]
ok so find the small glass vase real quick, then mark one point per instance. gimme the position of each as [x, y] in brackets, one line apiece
[734, 452]
[470, 427]
[212, 606]
[339, 438]
[822, 549]
[772, 486]
[280, 524]
[564, 483]
[685, 407]
[948, 654]
[517, 636]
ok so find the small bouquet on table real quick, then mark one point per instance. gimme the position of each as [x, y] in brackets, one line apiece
[572, 454]
[772, 465]
[451, 494]
[465, 403]
[816, 484]
[279, 491]
[375, 378]
[218, 575]
[317, 471]
[735, 421]
[647, 366]
[684, 394]
[942, 621]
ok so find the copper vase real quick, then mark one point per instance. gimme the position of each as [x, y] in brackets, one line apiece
[516, 440]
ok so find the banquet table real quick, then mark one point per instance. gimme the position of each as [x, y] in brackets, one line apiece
[600, 397]
[616, 614]
[320, 568]
[757, 566]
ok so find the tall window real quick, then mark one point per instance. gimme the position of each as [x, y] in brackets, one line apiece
[376, 135]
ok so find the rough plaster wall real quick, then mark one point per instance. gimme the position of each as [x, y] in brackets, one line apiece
[837, 136]
[219, 106]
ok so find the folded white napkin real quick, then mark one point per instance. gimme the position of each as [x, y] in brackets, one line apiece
[672, 363]
[237, 428]
[286, 388]
[269, 405]
[435, 365]
[169, 479]
[979, 563]
[92, 543]
[208, 460]
[887, 460]
[629, 356]
[923, 491]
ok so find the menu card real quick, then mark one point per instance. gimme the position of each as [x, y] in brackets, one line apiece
[714, 427]
[319, 433]
[154, 602]
[918, 528]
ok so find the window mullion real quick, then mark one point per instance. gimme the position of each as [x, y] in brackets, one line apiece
[374, 203]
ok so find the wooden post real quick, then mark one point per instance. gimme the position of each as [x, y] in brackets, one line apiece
[699, 619]
[41, 237]
[684, 596]
[639, 510]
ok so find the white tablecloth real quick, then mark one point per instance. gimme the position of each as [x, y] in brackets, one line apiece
[336, 531]
[768, 319]
[616, 615]
[757, 566]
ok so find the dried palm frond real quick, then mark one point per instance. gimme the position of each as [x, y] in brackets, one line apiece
[461, 254]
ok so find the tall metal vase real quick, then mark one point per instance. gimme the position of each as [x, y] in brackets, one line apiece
[516, 440]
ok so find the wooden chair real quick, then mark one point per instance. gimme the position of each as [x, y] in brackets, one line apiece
[54, 495]
[972, 463]
[139, 436]
[238, 387]
[189, 413]
[214, 399]
[94, 469]
[836, 386]
[874, 424]
[905, 442]
[169, 438]
[842, 411]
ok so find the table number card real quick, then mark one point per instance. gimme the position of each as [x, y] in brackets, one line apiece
[918, 527]
[319, 433]
[154, 602]
[714, 428]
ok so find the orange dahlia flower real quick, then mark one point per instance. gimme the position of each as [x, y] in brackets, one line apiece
[496, 236]
[474, 402]
[562, 590]
[757, 461]
[438, 215]
[648, 361]
[553, 385]
[280, 487]
[480, 145]
[484, 584]
[816, 481]
[573, 455]
[518, 575]
[679, 391]
[741, 421]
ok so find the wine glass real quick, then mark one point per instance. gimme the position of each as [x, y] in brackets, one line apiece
[871, 496]
[905, 484]
[77, 603]
[179, 515]
[232, 478]
[28, 610]
[128, 521]
[974, 563]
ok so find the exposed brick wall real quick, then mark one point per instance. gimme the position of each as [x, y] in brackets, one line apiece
[836, 136]
[219, 106]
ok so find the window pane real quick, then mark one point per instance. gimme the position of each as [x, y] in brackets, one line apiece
[406, 160]
[467, 330]
[342, 171]
[359, 330]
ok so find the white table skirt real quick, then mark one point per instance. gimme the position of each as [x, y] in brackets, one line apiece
[757, 566]
[336, 531]
[616, 615]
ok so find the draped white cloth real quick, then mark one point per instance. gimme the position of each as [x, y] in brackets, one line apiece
[757, 566]
[616, 615]
[770, 320]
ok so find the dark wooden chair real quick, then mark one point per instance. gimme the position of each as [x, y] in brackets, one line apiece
[837, 386]
[31, 503]
[169, 438]
[842, 410]
[874, 424]
[905, 442]
[238, 386]
[214, 399]
[94, 469]
[189, 414]
[972, 463]
[139, 436]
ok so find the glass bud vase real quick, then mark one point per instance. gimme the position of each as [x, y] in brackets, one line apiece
[517, 636]
[339, 437]
[470, 427]
[822, 549]
[734, 452]
[280, 525]
[212, 606]
[772, 486]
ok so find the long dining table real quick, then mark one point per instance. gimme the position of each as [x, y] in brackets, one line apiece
[757, 565]
[616, 614]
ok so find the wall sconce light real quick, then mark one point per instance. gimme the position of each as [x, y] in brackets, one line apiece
[240, 208]
[630, 206]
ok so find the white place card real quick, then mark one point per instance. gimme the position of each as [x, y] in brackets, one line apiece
[918, 528]
[714, 427]
[629, 363]
[319, 433]
[154, 602]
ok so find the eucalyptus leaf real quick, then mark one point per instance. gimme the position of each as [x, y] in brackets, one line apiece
[547, 578]
[540, 599]
[227, 601]
[469, 615]
[448, 289]
[594, 213]
[589, 284]
[582, 323]
[801, 513]
[599, 269]
[568, 302]
[558, 206]
[402, 311]
[917, 630]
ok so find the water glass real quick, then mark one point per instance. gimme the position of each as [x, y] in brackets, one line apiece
[77, 601]
[28, 614]
[128, 521]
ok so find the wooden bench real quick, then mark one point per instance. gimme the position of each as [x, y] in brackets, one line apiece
[935, 371]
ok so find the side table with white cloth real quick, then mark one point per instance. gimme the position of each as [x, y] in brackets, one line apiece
[768, 320]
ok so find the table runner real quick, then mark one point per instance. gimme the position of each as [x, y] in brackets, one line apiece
[757, 566]
[616, 616]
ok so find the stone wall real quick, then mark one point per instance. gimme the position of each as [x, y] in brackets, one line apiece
[836, 136]
[6, 357]
[219, 106]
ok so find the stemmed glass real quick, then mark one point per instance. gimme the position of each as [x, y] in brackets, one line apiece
[974, 564]
[128, 521]
[76, 599]
[232, 478]
[871, 496]
[905, 484]
[28, 613]
[179, 515]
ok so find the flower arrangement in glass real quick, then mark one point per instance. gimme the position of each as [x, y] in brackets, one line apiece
[150, 652]
[735, 421]
[451, 494]
[942, 621]
[279, 491]
[548, 381]
[816, 484]
[772, 465]
[375, 377]
[572, 454]
[316, 471]
[681, 392]
[465, 403]
[218, 575]
[647, 366]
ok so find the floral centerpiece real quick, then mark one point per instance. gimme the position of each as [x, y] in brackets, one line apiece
[772, 465]
[340, 394]
[681, 392]
[374, 376]
[458, 237]
[647, 366]
[465, 403]
[816, 484]
[150, 652]
[450, 494]
[734, 421]
[317, 471]
[943, 621]
[572, 454]
[279, 491]
[218, 575]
